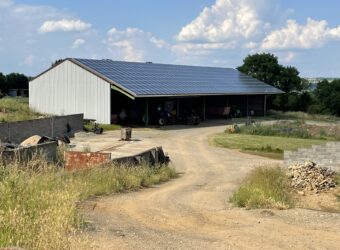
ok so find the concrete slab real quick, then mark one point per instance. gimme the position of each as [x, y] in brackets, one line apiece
[109, 142]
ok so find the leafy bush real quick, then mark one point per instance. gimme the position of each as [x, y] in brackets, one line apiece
[264, 187]
[38, 201]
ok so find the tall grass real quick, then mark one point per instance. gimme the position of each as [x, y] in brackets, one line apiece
[38, 201]
[16, 109]
[283, 129]
[264, 187]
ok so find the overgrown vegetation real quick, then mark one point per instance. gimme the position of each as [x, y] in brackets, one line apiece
[16, 109]
[284, 129]
[38, 201]
[298, 96]
[268, 146]
[302, 116]
[296, 129]
[264, 187]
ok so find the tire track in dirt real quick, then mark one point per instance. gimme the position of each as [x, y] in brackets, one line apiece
[191, 212]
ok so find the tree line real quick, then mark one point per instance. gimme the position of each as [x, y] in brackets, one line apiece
[12, 81]
[298, 96]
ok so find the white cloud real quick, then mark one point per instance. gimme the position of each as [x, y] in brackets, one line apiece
[228, 24]
[225, 20]
[251, 45]
[295, 36]
[78, 43]
[158, 42]
[132, 44]
[64, 25]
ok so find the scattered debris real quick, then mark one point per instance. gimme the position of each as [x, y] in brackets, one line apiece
[310, 177]
[31, 146]
[37, 139]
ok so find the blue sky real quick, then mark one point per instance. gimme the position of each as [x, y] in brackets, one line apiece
[304, 33]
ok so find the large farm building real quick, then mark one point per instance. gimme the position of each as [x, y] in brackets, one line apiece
[114, 91]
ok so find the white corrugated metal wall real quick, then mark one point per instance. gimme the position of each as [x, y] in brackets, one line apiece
[69, 89]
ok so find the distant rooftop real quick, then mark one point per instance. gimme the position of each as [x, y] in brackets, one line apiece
[153, 79]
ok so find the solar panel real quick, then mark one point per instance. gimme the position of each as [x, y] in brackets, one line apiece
[152, 79]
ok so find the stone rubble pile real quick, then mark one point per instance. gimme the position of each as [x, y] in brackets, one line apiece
[310, 177]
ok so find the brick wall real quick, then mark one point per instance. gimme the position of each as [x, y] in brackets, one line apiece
[16, 132]
[326, 155]
[79, 160]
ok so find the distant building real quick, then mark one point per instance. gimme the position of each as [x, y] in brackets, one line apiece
[18, 92]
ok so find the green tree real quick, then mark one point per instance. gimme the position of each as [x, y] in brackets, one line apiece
[265, 67]
[328, 97]
[2, 84]
[16, 81]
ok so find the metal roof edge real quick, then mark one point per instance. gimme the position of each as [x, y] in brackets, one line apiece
[50, 68]
[96, 73]
[216, 94]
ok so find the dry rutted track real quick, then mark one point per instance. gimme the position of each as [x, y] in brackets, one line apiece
[192, 211]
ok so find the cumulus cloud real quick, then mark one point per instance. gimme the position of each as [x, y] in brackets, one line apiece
[228, 24]
[63, 25]
[132, 44]
[78, 43]
[313, 34]
[225, 20]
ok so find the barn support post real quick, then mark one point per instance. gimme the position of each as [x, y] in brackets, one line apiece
[264, 105]
[146, 111]
[204, 108]
[247, 105]
[177, 110]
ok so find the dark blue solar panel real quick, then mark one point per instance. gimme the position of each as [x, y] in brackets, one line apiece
[151, 79]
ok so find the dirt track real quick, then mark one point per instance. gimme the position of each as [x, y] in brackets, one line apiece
[192, 211]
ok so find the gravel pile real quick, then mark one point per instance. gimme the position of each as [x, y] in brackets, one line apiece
[310, 177]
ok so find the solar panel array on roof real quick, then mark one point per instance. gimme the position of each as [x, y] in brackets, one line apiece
[151, 79]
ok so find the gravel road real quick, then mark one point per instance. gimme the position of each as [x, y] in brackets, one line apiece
[192, 212]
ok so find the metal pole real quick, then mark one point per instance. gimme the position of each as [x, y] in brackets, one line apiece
[265, 105]
[146, 122]
[247, 107]
[203, 108]
[177, 112]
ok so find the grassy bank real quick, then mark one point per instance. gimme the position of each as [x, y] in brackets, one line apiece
[16, 109]
[264, 187]
[268, 146]
[38, 202]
